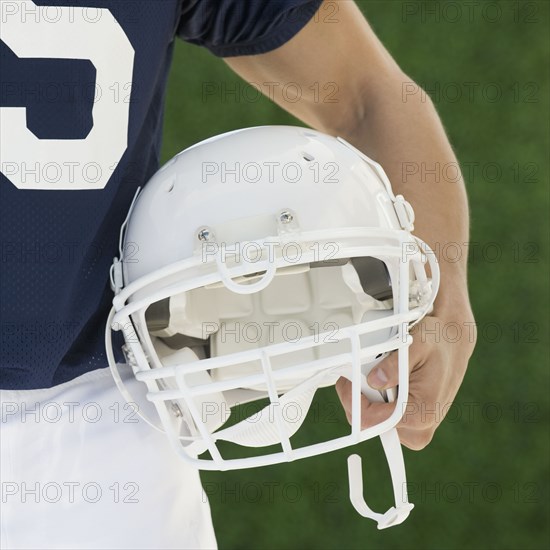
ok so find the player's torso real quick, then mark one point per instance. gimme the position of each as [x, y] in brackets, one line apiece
[81, 90]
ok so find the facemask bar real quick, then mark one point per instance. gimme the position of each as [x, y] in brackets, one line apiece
[353, 242]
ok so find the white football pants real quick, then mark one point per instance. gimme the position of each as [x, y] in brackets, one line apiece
[79, 469]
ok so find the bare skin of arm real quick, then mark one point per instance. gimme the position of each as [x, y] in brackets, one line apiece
[378, 109]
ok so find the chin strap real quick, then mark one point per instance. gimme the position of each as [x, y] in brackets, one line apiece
[270, 426]
[396, 514]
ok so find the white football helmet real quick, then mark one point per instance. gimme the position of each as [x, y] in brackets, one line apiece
[263, 264]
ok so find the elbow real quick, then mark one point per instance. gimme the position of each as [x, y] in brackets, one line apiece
[362, 101]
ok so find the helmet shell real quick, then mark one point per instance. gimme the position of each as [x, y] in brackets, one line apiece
[236, 184]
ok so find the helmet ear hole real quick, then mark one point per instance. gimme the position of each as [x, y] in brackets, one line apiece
[374, 277]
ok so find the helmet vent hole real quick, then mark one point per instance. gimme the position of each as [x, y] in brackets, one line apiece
[307, 157]
[170, 187]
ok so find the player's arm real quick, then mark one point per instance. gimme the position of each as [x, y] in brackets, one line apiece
[373, 109]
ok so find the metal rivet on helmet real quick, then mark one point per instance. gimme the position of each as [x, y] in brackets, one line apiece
[204, 234]
[285, 216]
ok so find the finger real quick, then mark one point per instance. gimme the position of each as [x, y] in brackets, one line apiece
[372, 413]
[416, 440]
[386, 374]
[412, 434]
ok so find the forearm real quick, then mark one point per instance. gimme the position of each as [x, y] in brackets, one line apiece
[408, 140]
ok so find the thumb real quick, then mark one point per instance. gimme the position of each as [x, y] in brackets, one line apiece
[386, 374]
[371, 413]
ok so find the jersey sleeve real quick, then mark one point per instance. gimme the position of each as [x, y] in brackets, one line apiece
[243, 27]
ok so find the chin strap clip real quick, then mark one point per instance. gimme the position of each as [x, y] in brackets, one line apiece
[117, 280]
[404, 212]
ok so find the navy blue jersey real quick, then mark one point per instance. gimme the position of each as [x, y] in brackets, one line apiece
[82, 87]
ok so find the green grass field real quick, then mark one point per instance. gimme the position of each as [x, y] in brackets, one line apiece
[483, 482]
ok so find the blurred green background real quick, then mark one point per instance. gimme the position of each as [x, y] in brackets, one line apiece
[483, 481]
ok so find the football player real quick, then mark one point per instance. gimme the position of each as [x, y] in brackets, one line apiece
[81, 104]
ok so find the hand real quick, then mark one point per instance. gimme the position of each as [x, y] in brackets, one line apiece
[438, 358]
